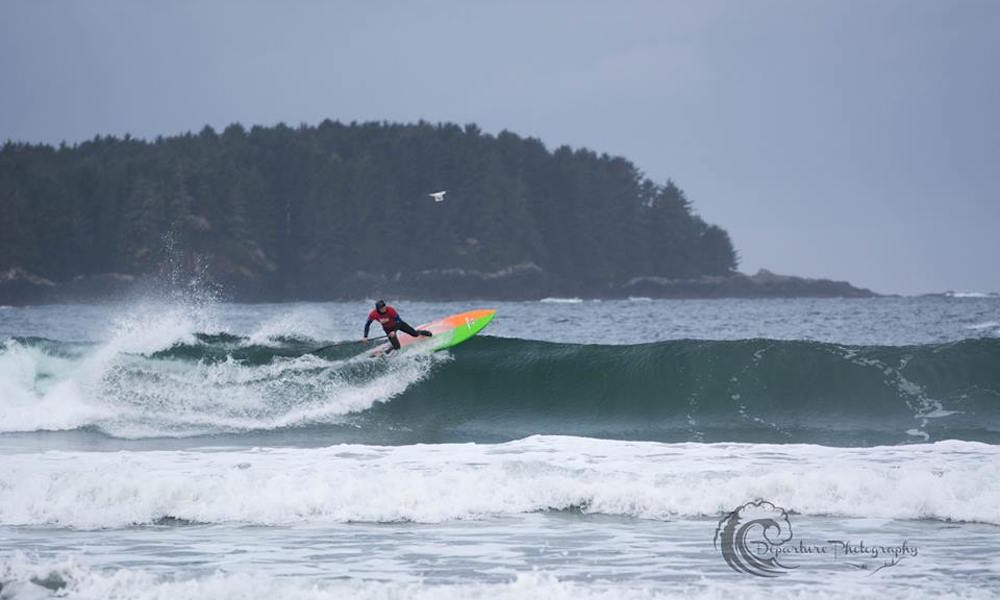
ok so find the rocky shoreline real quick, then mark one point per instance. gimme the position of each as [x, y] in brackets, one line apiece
[517, 282]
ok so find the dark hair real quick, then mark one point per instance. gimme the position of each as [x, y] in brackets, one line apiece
[380, 304]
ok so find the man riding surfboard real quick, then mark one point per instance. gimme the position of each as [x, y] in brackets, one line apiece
[389, 319]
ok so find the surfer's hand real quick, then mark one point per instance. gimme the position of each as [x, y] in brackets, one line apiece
[364, 340]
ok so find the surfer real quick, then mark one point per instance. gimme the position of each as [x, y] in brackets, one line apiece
[390, 321]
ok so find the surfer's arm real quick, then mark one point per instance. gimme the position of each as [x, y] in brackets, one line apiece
[368, 325]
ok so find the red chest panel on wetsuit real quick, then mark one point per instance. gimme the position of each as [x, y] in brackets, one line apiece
[387, 318]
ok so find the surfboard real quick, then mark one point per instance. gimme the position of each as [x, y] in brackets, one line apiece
[448, 331]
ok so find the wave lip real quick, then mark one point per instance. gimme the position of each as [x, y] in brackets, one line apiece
[972, 294]
[953, 481]
[984, 325]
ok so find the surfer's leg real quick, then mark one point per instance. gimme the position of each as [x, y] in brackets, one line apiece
[393, 339]
[414, 332]
[403, 326]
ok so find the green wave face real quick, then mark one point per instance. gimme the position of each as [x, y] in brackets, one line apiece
[493, 389]
[692, 390]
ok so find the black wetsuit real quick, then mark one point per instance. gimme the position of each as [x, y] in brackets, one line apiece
[392, 324]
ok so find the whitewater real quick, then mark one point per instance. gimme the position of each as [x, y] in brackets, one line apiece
[186, 447]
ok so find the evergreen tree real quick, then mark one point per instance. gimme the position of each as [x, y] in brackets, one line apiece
[283, 212]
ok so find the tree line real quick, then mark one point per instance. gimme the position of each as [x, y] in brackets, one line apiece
[281, 212]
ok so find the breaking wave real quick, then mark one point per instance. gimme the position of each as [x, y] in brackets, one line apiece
[493, 389]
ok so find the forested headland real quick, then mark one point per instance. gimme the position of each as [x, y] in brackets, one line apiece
[343, 211]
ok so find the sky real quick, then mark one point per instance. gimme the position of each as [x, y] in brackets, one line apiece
[854, 140]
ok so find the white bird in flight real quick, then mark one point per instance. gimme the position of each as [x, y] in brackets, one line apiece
[438, 196]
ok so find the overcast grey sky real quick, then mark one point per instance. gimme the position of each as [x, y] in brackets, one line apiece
[856, 140]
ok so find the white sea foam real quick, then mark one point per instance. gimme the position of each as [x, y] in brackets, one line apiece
[562, 300]
[986, 325]
[118, 388]
[24, 579]
[130, 395]
[435, 483]
[40, 391]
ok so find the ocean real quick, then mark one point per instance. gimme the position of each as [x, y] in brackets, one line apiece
[184, 447]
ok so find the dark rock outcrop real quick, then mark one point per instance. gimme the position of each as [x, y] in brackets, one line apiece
[764, 284]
